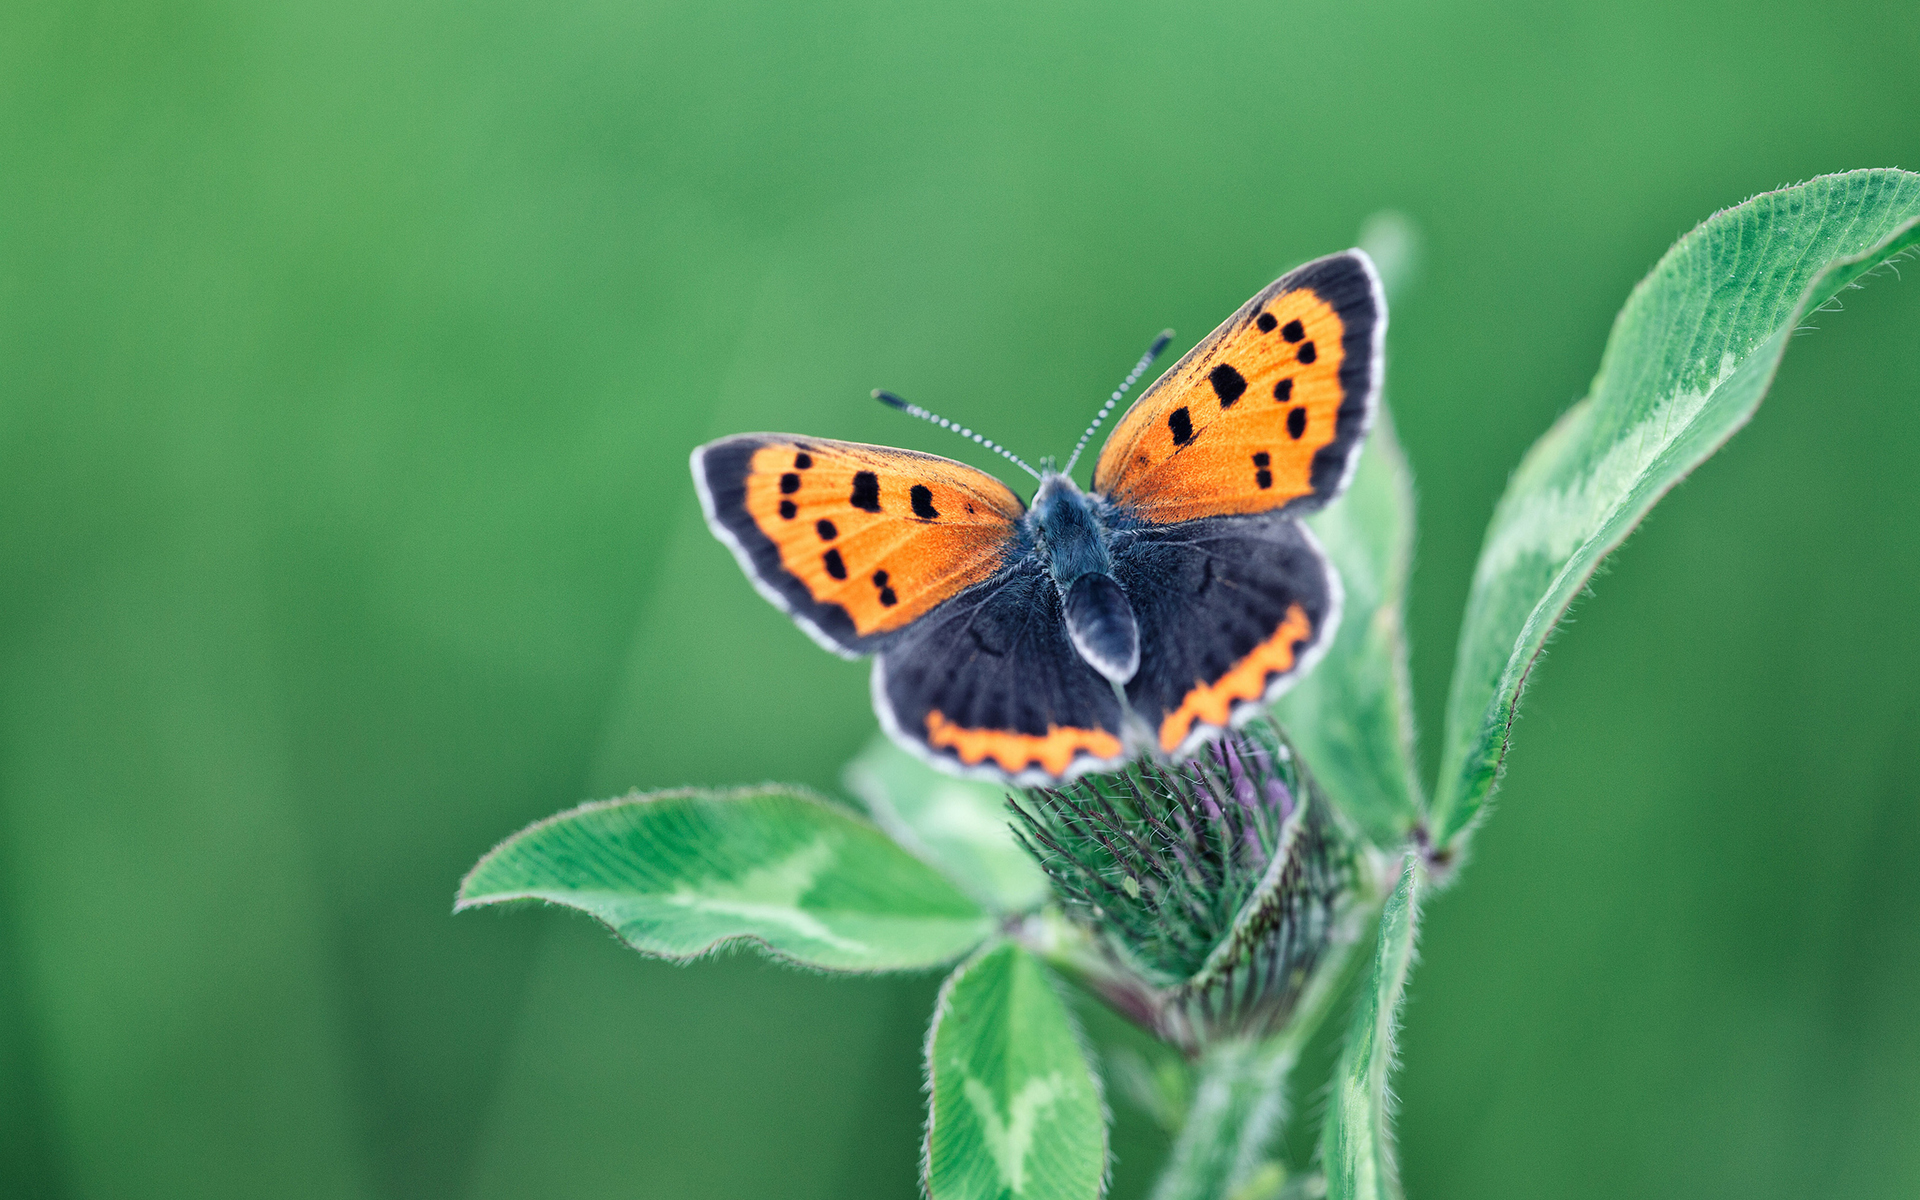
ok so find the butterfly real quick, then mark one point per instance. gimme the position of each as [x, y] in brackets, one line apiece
[1032, 644]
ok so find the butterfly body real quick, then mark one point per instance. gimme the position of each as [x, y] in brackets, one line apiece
[1033, 643]
[1071, 532]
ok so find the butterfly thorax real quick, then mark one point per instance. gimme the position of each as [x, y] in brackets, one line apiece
[1067, 531]
[1071, 536]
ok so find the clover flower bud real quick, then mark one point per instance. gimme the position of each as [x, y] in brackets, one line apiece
[1213, 888]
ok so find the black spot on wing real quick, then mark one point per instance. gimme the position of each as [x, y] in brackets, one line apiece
[836, 566]
[1294, 331]
[789, 509]
[826, 529]
[1266, 321]
[866, 491]
[789, 484]
[1296, 423]
[1307, 353]
[1283, 390]
[802, 461]
[922, 497]
[1180, 424]
[1228, 384]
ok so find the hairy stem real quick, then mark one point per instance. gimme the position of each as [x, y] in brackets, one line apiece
[1240, 1100]
[1236, 1110]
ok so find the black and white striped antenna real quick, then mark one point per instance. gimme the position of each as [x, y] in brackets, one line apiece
[1133, 377]
[914, 410]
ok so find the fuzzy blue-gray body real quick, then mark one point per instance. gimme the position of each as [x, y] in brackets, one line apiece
[1071, 532]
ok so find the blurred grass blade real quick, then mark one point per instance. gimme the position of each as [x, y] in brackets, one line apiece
[1351, 718]
[679, 874]
[1356, 1146]
[1689, 359]
[958, 825]
[1015, 1110]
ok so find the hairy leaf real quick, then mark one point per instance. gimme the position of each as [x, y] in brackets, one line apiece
[1690, 357]
[1351, 717]
[1356, 1144]
[1016, 1111]
[679, 874]
[958, 825]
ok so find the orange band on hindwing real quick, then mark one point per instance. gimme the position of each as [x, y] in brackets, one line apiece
[1014, 752]
[1212, 703]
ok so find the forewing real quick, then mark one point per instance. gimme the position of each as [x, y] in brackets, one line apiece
[990, 686]
[1231, 610]
[1267, 412]
[855, 542]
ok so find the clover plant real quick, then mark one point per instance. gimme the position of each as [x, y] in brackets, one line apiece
[1224, 903]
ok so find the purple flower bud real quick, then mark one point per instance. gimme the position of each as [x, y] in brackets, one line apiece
[1171, 871]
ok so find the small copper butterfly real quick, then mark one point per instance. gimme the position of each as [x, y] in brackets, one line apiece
[1033, 644]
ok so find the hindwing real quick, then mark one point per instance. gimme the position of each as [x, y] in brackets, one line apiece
[1231, 611]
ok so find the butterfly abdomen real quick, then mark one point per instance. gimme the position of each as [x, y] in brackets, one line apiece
[1100, 622]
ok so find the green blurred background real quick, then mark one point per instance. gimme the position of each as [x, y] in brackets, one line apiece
[350, 355]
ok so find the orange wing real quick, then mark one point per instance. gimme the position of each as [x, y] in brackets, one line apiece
[854, 542]
[1269, 410]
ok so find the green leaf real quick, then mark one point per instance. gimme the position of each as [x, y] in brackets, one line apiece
[1690, 357]
[958, 825]
[1016, 1110]
[1356, 1144]
[679, 874]
[1351, 717]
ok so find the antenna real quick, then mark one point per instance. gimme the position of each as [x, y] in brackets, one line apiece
[914, 410]
[1133, 376]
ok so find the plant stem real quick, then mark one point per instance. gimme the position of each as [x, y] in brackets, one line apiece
[1240, 1099]
[1237, 1107]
